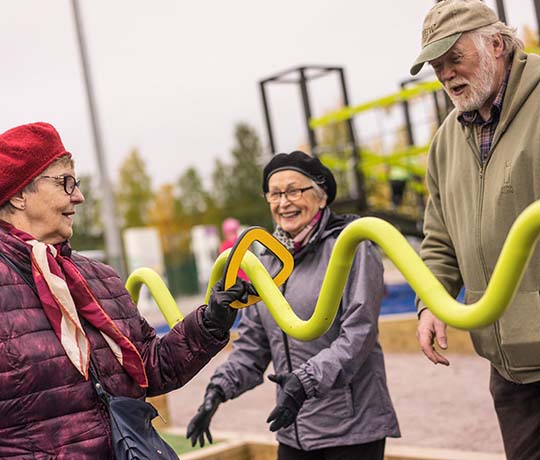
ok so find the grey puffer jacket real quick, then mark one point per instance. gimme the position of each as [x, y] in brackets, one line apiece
[343, 371]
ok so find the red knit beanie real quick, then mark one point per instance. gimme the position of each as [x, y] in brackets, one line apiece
[25, 152]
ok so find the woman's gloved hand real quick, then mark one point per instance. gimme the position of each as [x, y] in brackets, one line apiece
[218, 316]
[199, 425]
[289, 401]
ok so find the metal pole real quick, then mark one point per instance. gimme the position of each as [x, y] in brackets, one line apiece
[266, 108]
[411, 142]
[112, 235]
[307, 110]
[501, 10]
[356, 152]
[537, 11]
[407, 115]
[437, 108]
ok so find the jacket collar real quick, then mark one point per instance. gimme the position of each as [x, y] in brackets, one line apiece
[330, 224]
[524, 78]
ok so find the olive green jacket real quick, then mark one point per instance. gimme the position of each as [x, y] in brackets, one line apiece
[471, 209]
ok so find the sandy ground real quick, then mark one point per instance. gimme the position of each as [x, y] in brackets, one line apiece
[437, 407]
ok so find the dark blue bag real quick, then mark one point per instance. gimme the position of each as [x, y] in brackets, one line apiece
[133, 436]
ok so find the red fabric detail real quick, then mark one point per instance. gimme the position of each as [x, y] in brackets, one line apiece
[87, 306]
[303, 237]
[25, 152]
[229, 244]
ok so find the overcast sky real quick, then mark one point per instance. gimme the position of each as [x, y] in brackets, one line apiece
[172, 78]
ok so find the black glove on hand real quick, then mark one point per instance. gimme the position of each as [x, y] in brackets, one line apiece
[200, 423]
[218, 316]
[289, 401]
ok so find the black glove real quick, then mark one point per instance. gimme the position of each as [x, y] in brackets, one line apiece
[200, 423]
[218, 316]
[289, 401]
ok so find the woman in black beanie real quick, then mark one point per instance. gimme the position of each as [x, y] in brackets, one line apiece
[332, 398]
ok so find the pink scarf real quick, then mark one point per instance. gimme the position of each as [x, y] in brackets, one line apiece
[303, 237]
[65, 295]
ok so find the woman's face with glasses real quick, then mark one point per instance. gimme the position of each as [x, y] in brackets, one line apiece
[293, 201]
[49, 210]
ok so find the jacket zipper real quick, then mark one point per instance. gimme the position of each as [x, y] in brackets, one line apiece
[290, 368]
[496, 326]
[478, 223]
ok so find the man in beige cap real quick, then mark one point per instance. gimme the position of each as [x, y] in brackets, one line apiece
[483, 170]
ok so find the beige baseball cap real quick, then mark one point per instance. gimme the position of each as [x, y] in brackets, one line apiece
[446, 22]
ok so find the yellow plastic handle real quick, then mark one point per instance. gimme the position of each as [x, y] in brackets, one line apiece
[500, 291]
[237, 252]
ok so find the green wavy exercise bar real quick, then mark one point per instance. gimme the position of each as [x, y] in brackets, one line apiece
[507, 275]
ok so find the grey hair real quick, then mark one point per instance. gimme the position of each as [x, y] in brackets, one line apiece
[8, 209]
[483, 35]
[320, 193]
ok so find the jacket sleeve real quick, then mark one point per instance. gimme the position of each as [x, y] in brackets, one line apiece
[244, 369]
[437, 250]
[335, 366]
[172, 360]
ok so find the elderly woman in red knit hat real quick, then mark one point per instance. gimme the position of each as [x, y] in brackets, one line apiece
[332, 400]
[66, 317]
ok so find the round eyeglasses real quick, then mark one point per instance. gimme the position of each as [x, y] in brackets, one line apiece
[68, 181]
[291, 195]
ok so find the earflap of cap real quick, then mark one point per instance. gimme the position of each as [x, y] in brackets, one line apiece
[433, 51]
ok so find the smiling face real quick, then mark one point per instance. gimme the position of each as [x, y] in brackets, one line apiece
[47, 212]
[472, 74]
[293, 216]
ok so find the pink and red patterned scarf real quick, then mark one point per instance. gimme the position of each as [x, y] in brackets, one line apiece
[294, 245]
[65, 295]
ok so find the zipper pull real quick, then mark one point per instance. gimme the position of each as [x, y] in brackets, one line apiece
[100, 391]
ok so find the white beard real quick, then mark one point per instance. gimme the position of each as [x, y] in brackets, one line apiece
[480, 86]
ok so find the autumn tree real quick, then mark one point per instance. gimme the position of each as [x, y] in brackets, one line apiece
[134, 192]
[162, 216]
[530, 38]
[87, 225]
[238, 185]
[221, 182]
[194, 199]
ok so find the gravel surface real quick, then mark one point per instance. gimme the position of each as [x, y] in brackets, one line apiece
[437, 406]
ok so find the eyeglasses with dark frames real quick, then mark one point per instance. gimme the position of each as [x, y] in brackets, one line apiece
[291, 195]
[69, 182]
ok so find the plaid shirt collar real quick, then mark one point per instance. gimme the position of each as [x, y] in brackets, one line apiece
[474, 117]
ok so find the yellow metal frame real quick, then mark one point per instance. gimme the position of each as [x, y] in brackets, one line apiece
[500, 291]
[348, 112]
[158, 290]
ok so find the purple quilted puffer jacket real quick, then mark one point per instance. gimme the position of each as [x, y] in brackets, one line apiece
[47, 410]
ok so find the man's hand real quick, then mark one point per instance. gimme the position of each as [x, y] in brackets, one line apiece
[289, 401]
[200, 423]
[430, 328]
